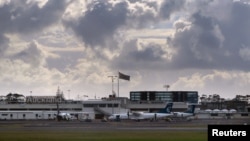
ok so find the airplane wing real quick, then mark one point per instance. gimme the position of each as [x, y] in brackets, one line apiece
[72, 112]
[68, 112]
[137, 114]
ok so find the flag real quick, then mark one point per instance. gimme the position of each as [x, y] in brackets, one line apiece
[123, 76]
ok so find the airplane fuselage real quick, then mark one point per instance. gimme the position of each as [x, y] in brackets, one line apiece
[182, 114]
[141, 116]
[165, 112]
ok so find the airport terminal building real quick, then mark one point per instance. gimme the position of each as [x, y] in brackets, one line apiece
[45, 107]
[164, 96]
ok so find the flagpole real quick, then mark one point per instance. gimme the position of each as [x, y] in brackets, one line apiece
[118, 90]
[118, 84]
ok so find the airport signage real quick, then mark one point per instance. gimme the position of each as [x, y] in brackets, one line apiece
[43, 99]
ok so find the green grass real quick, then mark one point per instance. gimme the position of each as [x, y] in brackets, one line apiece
[103, 136]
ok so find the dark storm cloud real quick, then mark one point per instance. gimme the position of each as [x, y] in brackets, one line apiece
[216, 35]
[3, 44]
[237, 30]
[99, 22]
[197, 45]
[150, 53]
[151, 56]
[212, 41]
[4, 16]
[32, 55]
[21, 17]
[66, 61]
[170, 6]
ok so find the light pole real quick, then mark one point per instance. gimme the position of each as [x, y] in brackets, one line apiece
[167, 87]
[112, 79]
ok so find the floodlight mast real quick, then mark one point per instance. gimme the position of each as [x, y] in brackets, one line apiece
[112, 79]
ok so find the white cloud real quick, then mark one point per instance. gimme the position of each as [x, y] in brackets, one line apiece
[228, 83]
[193, 82]
[245, 53]
[77, 44]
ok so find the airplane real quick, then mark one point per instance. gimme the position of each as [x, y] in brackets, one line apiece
[190, 112]
[62, 115]
[166, 112]
[72, 115]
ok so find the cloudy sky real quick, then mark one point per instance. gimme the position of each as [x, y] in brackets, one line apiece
[200, 45]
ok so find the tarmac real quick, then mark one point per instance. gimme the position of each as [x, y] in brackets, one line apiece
[99, 125]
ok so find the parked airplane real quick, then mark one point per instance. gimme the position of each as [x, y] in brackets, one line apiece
[72, 115]
[166, 112]
[190, 112]
[62, 115]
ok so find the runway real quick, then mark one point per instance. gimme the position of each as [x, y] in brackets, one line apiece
[98, 125]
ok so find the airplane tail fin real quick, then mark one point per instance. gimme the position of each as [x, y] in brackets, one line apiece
[167, 109]
[191, 109]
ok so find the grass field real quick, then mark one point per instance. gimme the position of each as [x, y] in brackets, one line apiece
[109, 131]
[103, 136]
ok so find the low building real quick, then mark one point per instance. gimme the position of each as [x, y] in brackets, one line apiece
[45, 107]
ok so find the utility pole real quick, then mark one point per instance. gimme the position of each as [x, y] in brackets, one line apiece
[112, 79]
